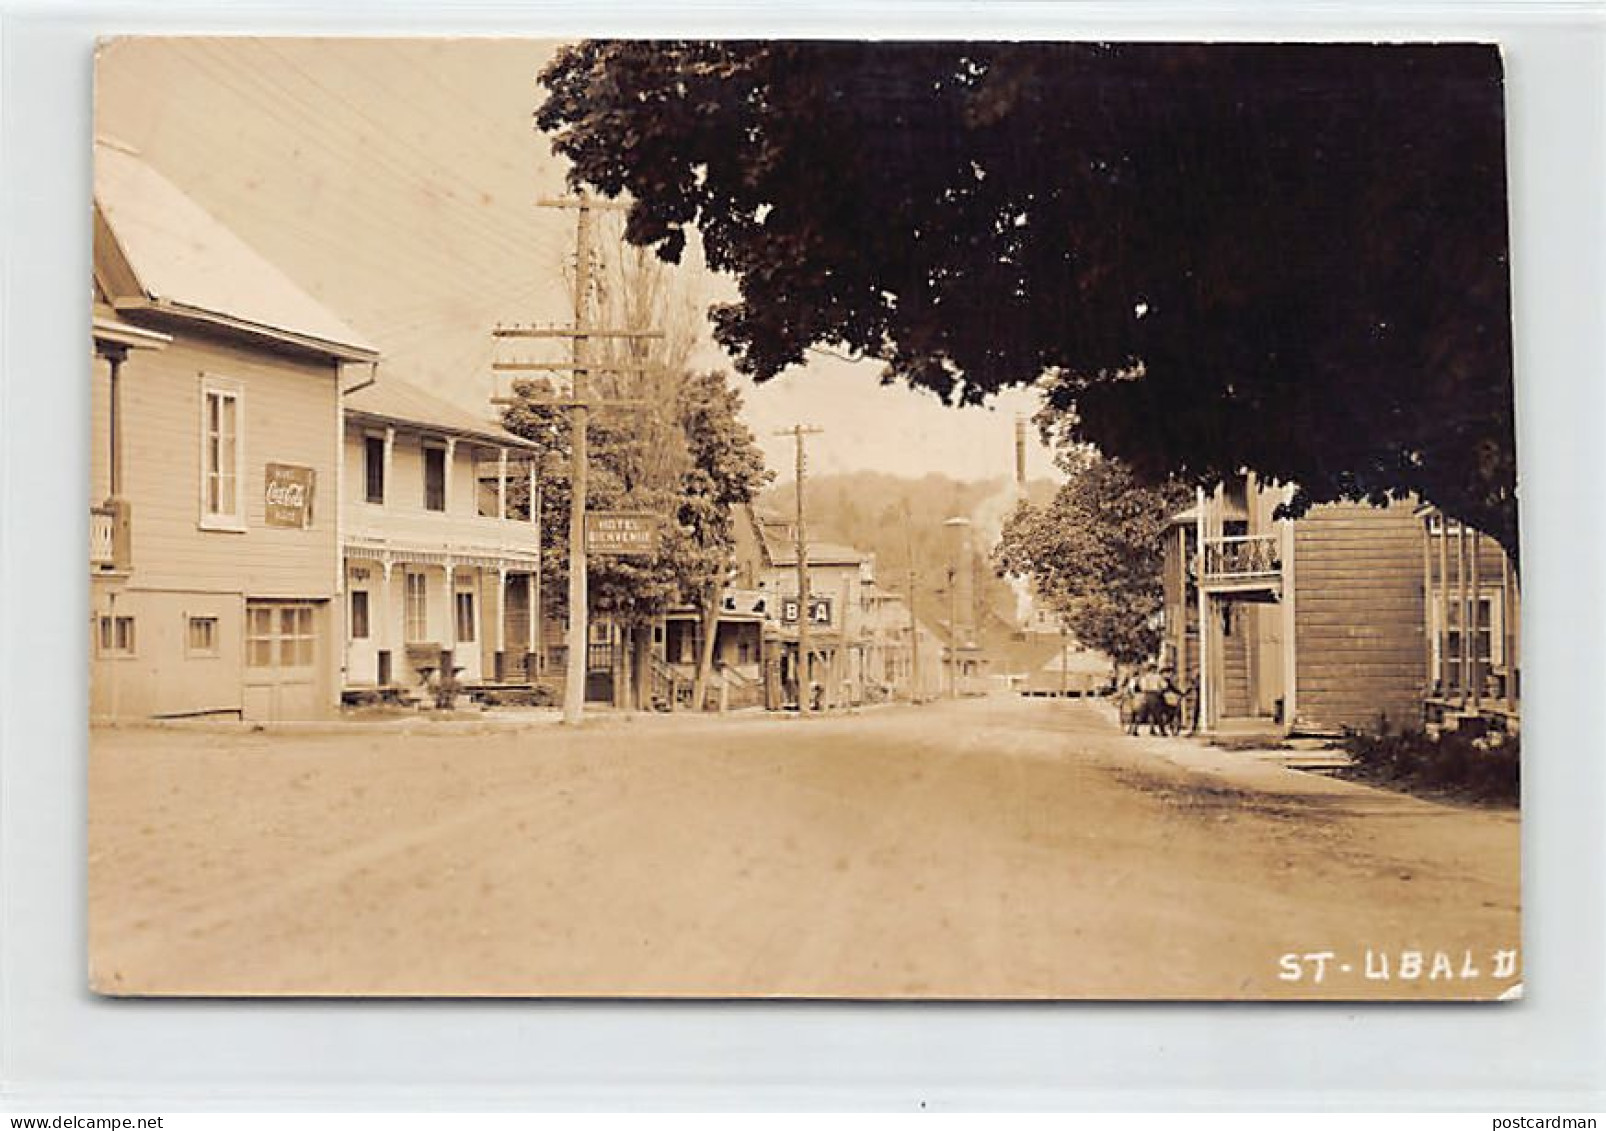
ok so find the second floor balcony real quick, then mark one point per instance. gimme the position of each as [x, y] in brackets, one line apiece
[1242, 561]
[439, 532]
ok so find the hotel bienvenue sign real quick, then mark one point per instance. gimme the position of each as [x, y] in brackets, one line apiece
[622, 532]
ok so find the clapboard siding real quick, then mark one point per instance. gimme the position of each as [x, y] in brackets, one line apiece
[290, 410]
[1358, 615]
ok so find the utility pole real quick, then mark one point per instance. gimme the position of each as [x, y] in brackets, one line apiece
[960, 525]
[805, 657]
[579, 403]
[914, 620]
[574, 684]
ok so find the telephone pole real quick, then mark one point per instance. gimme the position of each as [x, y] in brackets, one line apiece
[914, 620]
[805, 657]
[579, 403]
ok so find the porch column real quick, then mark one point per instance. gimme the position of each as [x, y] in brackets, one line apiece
[447, 476]
[114, 413]
[501, 611]
[390, 489]
[1441, 601]
[1469, 541]
[535, 630]
[1206, 696]
[1463, 652]
[1511, 618]
[1427, 601]
[1290, 628]
[501, 489]
[387, 609]
[451, 608]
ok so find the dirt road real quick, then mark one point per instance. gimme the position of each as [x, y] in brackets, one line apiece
[990, 848]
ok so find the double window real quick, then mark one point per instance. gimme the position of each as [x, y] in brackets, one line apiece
[1485, 645]
[115, 636]
[278, 635]
[222, 454]
[465, 617]
[416, 609]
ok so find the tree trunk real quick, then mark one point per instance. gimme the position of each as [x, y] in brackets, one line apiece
[641, 655]
[624, 676]
[705, 652]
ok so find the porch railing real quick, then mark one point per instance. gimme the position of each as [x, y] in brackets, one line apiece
[110, 536]
[1242, 557]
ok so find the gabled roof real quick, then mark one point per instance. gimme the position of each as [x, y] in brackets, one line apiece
[783, 552]
[173, 257]
[394, 401]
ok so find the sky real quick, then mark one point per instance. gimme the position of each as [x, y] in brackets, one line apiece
[397, 180]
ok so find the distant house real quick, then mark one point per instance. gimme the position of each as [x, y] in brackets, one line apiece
[1310, 625]
[215, 450]
[737, 676]
[442, 572]
[902, 656]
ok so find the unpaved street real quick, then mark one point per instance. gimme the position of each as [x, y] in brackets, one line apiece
[991, 848]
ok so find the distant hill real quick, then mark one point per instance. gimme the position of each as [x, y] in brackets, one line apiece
[896, 518]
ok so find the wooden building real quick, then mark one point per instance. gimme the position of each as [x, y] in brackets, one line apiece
[838, 579]
[442, 566]
[903, 657]
[215, 440]
[1473, 619]
[1311, 625]
[737, 678]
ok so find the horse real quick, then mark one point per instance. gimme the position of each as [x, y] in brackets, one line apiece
[1161, 710]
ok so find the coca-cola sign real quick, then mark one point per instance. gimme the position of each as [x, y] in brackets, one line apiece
[287, 495]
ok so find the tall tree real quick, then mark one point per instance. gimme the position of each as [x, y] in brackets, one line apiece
[726, 469]
[1287, 258]
[1094, 554]
[677, 449]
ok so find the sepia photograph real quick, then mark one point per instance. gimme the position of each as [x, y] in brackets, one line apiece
[802, 519]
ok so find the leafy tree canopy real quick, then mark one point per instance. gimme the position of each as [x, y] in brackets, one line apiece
[1286, 258]
[1094, 554]
[688, 457]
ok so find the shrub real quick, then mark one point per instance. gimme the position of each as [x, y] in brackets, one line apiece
[538, 696]
[1478, 767]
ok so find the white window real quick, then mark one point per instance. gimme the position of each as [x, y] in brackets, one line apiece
[201, 638]
[222, 454]
[465, 618]
[1487, 643]
[115, 636]
[417, 607]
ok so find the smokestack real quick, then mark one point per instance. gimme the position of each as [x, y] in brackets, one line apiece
[1020, 453]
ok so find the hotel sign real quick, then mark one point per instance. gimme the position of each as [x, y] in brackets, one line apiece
[287, 495]
[621, 532]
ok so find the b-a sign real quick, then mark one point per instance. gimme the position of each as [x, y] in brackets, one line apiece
[819, 610]
[621, 532]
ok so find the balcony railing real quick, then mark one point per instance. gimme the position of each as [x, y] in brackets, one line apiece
[1242, 558]
[110, 536]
